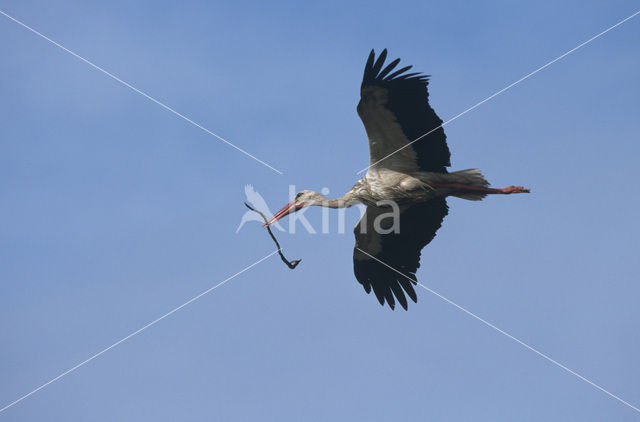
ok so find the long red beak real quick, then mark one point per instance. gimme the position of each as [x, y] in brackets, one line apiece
[286, 210]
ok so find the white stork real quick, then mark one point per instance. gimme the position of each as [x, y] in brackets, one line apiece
[395, 110]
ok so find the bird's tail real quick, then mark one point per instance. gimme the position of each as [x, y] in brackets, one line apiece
[471, 177]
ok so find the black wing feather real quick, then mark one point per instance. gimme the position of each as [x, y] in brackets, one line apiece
[394, 74]
[378, 65]
[389, 68]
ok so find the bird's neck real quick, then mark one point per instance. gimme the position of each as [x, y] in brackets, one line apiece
[344, 201]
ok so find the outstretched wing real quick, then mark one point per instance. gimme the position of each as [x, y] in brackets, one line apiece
[400, 251]
[395, 110]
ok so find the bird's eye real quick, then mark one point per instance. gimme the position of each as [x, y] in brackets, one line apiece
[298, 195]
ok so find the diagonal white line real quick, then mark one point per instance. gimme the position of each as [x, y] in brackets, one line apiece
[138, 331]
[506, 88]
[487, 323]
[166, 107]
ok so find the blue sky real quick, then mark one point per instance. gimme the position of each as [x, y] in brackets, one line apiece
[115, 211]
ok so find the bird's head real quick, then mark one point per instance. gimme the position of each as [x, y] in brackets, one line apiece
[304, 198]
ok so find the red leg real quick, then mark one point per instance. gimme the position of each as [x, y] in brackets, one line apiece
[488, 191]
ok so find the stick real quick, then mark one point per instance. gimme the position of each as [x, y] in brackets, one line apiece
[290, 264]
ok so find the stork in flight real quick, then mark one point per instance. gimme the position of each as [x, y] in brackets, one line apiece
[408, 156]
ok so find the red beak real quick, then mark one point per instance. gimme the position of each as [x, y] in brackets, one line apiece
[286, 210]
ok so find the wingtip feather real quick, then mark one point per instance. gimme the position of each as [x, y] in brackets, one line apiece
[379, 62]
[388, 69]
[397, 73]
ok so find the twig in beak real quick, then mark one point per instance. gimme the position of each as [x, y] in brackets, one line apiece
[290, 264]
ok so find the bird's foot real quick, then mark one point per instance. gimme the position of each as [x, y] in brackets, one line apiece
[514, 189]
